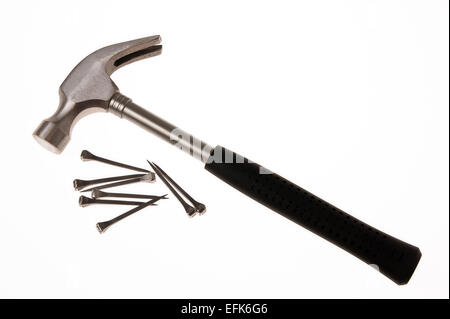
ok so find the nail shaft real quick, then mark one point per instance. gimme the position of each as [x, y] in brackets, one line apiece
[188, 208]
[86, 156]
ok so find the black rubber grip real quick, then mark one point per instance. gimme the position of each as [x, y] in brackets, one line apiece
[392, 257]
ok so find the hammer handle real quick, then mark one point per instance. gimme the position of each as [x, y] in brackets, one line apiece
[394, 258]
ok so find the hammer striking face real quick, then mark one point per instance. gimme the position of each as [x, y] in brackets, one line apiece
[89, 88]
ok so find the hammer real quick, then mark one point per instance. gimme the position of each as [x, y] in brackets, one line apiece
[89, 88]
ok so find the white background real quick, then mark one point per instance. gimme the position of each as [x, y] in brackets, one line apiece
[348, 99]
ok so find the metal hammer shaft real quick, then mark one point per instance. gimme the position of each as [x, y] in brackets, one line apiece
[123, 107]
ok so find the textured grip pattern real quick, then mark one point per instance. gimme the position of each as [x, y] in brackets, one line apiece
[394, 258]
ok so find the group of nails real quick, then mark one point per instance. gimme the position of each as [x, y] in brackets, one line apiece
[144, 176]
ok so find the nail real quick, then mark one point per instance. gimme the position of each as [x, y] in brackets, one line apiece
[88, 156]
[96, 193]
[84, 201]
[79, 184]
[150, 177]
[199, 207]
[103, 226]
[188, 208]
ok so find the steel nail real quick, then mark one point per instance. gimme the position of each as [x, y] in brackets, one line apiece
[103, 226]
[84, 201]
[199, 207]
[146, 178]
[96, 193]
[188, 208]
[88, 156]
[79, 184]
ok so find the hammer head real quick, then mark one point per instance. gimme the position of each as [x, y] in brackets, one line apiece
[89, 88]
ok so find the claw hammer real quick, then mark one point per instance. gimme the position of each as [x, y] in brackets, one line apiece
[89, 88]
